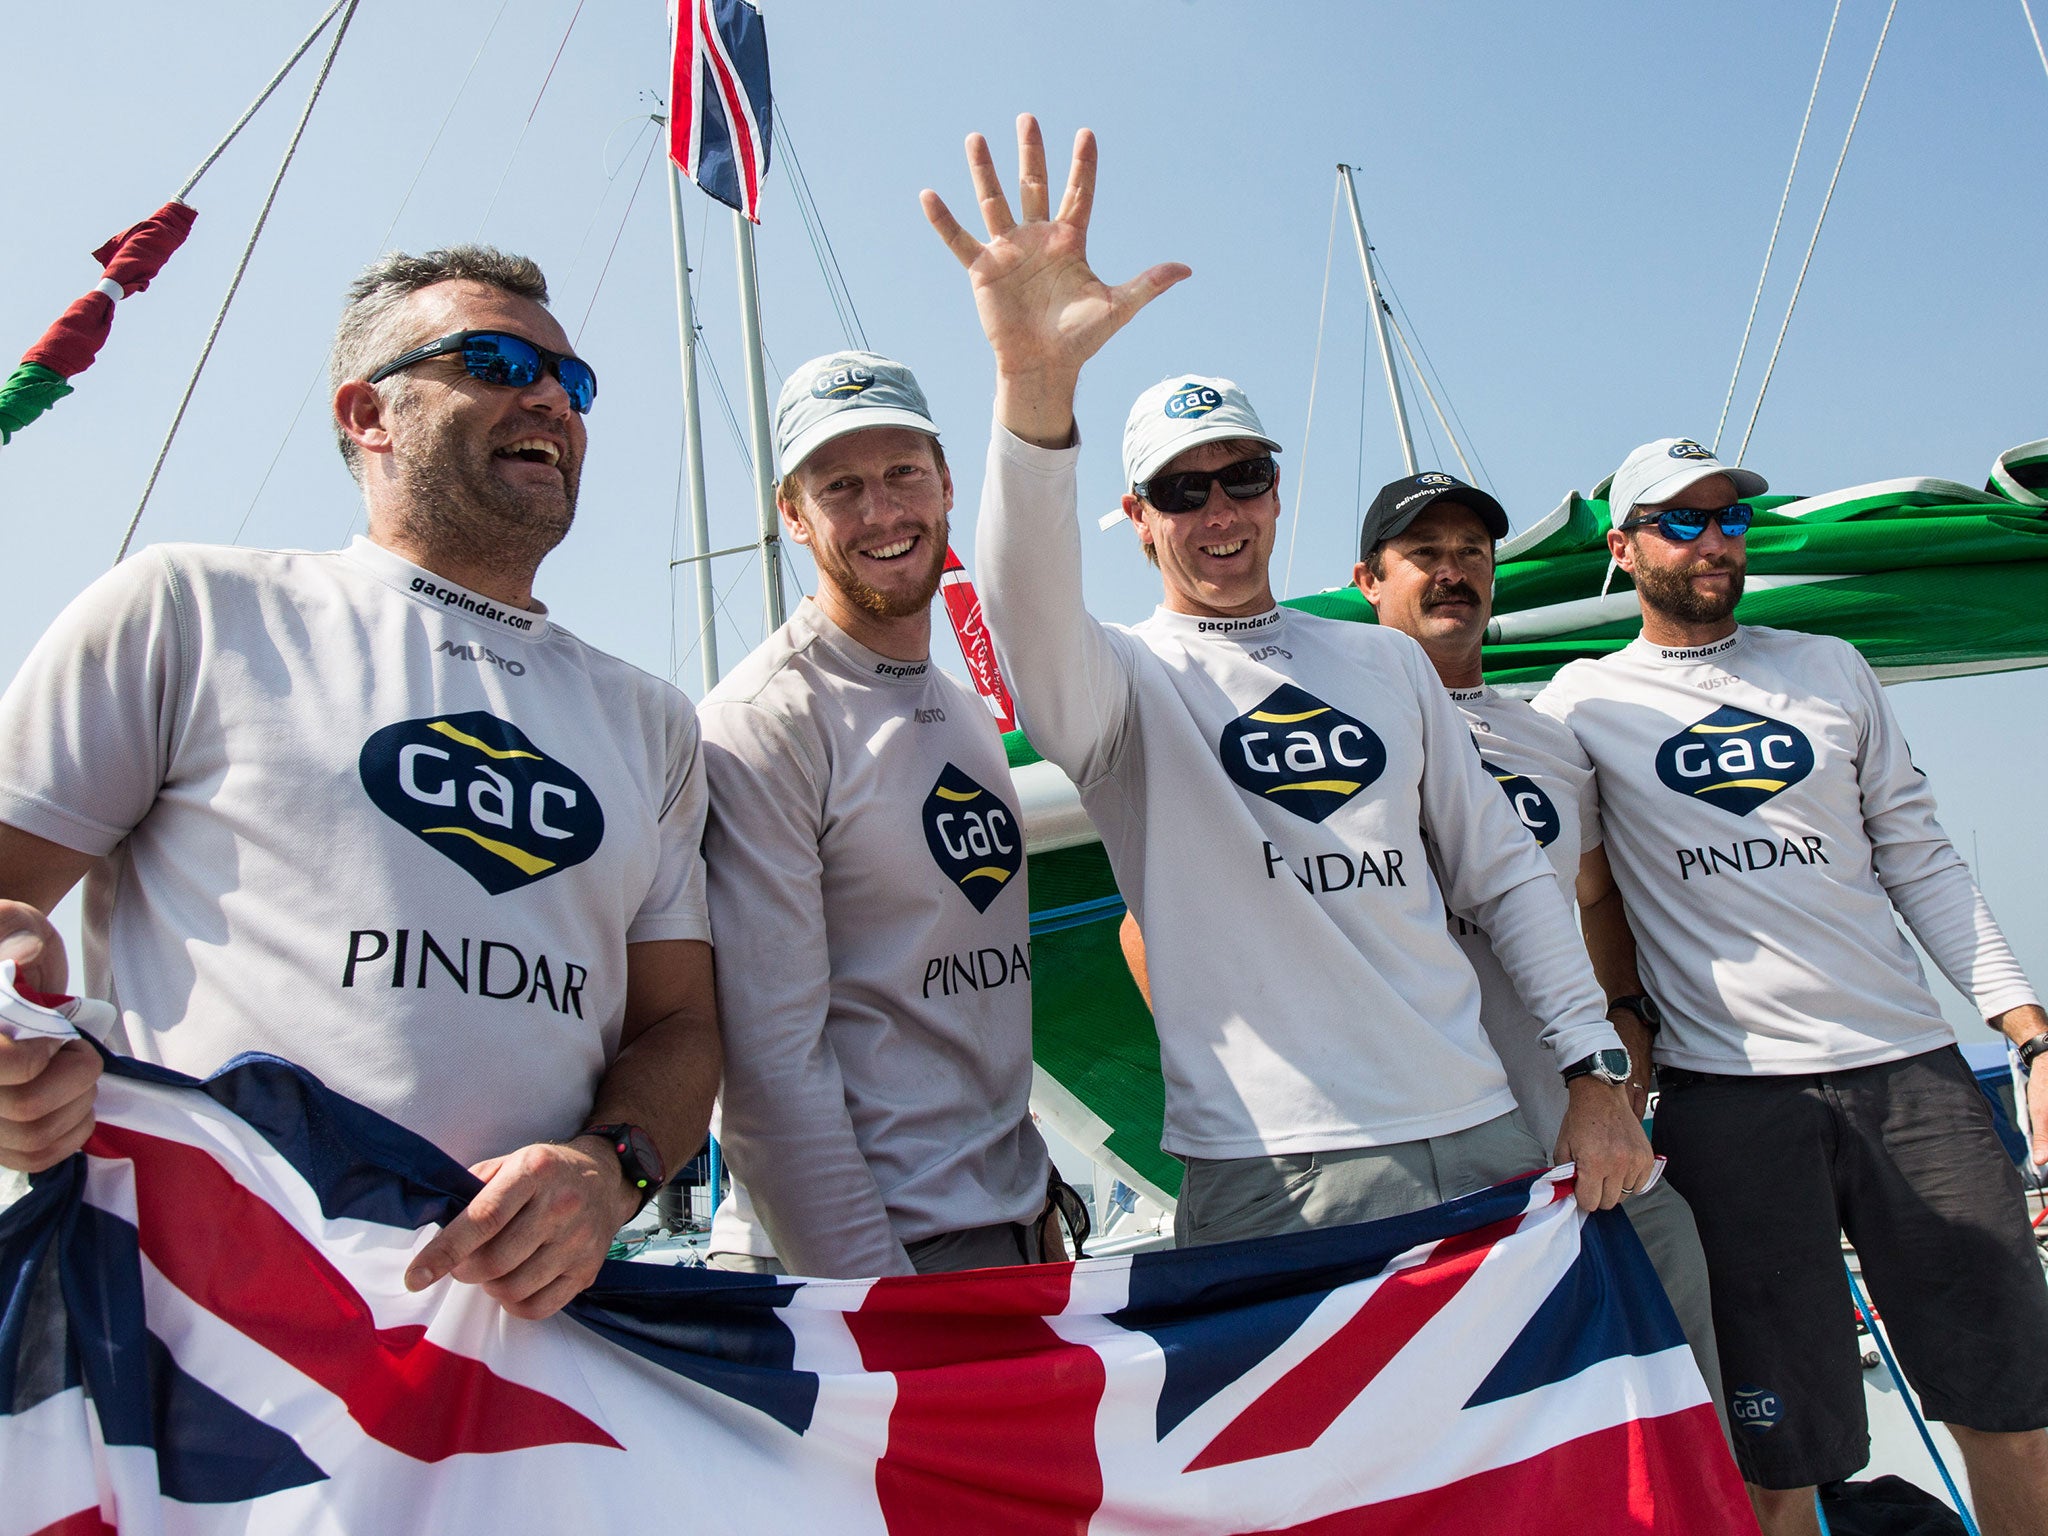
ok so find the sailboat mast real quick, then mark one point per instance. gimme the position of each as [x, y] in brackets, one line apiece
[757, 409]
[693, 443]
[1379, 323]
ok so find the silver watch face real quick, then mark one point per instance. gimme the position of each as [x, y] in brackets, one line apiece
[1611, 1066]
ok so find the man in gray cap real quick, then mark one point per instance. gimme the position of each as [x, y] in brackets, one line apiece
[1768, 828]
[1265, 784]
[1426, 564]
[866, 866]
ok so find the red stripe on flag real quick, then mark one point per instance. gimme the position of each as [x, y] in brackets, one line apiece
[682, 89]
[994, 1423]
[241, 1260]
[736, 110]
[1667, 1476]
[87, 1522]
[1297, 1408]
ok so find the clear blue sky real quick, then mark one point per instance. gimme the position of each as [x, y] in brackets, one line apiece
[1571, 202]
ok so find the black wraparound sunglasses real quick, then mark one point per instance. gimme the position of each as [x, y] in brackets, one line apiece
[1187, 490]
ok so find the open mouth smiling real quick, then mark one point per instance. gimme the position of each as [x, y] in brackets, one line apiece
[532, 450]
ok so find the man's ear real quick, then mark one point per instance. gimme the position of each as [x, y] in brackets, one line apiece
[946, 480]
[1621, 549]
[1134, 509]
[1367, 584]
[793, 520]
[362, 413]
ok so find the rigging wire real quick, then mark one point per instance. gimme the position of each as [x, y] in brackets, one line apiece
[2029, 12]
[1405, 328]
[1314, 372]
[513, 158]
[836, 286]
[1429, 394]
[261, 97]
[1436, 456]
[1854, 118]
[241, 268]
[1784, 197]
[320, 368]
[610, 180]
[605, 271]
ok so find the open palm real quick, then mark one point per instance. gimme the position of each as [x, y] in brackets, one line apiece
[1041, 306]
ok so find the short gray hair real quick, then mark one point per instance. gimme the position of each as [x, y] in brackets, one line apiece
[365, 338]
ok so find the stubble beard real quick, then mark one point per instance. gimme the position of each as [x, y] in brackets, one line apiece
[1672, 594]
[457, 507]
[839, 570]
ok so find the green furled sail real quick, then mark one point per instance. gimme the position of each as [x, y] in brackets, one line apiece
[1927, 578]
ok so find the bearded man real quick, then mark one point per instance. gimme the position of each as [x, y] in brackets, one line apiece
[375, 812]
[867, 881]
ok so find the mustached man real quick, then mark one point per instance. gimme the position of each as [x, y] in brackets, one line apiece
[1768, 829]
[867, 875]
[376, 812]
[1264, 783]
[1426, 564]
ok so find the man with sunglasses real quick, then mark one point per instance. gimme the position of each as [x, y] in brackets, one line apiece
[1767, 827]
[1264, 783]
[375, 812]
[866, 867]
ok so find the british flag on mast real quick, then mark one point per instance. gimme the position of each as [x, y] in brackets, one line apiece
[720, 117]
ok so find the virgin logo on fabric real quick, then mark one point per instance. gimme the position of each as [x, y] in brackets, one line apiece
[975, 838]
[1298, 752]
[476, 790]
[1530, 803]
[1735, 759]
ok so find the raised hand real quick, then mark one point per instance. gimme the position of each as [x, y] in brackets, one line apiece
[1043, 309]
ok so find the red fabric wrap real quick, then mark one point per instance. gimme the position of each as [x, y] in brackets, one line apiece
[139, 252]
[69, 346]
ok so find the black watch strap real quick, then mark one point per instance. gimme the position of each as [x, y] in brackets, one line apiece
[639, 1159]
[2030, 1049]
[1644, 1007]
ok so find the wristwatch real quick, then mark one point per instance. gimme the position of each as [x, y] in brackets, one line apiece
[2031, 1049]
[639, 1161]
[1644, 1007]
[1610, 1066]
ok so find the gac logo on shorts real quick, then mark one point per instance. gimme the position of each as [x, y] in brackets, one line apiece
[476, 790]
[1530, 803]
[841, 383]
[976, 840]
[1735, 759]
[1300, 753]
[1756, 1409]
[1192, 400]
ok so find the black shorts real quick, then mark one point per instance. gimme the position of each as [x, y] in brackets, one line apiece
[1902, 1157]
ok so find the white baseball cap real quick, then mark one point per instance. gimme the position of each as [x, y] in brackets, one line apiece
[1656, 472]
[844, 392]
[1182, 411]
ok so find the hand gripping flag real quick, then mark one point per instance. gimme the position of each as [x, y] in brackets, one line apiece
[203, 1327]
[718, 105]
[977, 646]
[128, 263]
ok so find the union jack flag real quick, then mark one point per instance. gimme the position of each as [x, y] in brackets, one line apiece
[719, 113]
[203, 1327]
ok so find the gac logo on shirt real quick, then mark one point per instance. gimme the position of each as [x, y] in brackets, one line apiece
[1735, 759]
[975, 838]
[476, 790]
[1298, 752]
[1530, 803]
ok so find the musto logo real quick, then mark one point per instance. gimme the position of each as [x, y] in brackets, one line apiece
[974, 837]
[473, 788]
[1530, 803]
[1299, 752]
[1735, 759]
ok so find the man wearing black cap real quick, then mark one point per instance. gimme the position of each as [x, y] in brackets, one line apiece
[1264, 782]
[1425, 563]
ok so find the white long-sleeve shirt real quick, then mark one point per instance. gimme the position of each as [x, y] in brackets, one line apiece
[1765, 820]
[1263, 787]
[867, 889]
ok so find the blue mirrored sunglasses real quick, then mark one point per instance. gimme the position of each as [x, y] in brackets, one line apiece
[499, 357]
[1684, 524]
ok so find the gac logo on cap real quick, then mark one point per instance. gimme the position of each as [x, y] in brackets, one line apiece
[1192, 400]
[842, 383]
[1735, 759]
[1300, 753]
[1531, 805]
[975, 838]
[476, 790]
[1686, 448]
[1434, 477]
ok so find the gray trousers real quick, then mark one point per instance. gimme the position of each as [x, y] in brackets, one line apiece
[1007, 1242]
[1222, 1200]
